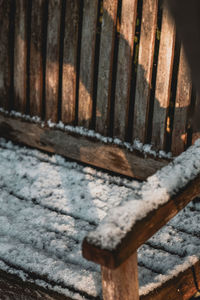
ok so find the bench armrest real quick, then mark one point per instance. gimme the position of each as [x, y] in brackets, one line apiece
[131, 224]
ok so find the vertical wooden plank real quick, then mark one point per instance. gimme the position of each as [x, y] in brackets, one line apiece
[144, 71]
[106, 65]
[52, 60]
[90, 9]
[20, 56]
[5, 68]
[121, 283]
[36, 57]
[195, 119]
[124, 67]
[183, 98]
[70, 61]
[163, 80]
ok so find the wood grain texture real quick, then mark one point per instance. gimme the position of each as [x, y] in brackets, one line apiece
[143, 229]
[73, 146]
[180, 287]
[163, 80]
[144, 70]
[52, 60]
[5, 67]
[90, 9]
[124, 67]
[106, 66]
[121, 283]
[195, 121]
[36, 57]
[183, 99]
[14, 288]
[69, 75]
[20, 56]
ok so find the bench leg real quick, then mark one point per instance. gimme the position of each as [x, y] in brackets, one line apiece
[121, 283]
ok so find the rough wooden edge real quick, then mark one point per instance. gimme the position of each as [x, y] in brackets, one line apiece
[121, 283]
[182, 286]
[12, 287]
[143, 229]
[86, 150]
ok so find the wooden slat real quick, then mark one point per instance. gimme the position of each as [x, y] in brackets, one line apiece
[5, 68]
[144, 71]
[90, 10]
[20, 56]
[52, 60]
[183, 98]
[143, 229]
[180, 287]
[163, 80]
[70, 61]
[36, 57]
[105, 66]
[73, 146]
[124, 67]
[13, 287]
[121, 283]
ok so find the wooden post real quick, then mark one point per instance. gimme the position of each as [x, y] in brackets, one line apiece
[121, 283]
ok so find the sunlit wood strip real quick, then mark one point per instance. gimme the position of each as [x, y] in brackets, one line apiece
[52, 60]
[36, 57]
[144, 70]
[90, 9]
[106, 65]
[163, 80]
[70, 61]
[20, 56]
[124, 67]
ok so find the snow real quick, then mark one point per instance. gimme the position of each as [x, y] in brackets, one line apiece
[146, 149]
[48, 205]
[156, 191]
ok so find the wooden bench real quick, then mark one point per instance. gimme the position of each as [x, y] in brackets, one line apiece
[96, 81]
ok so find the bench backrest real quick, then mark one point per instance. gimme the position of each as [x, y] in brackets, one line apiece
[113, 66]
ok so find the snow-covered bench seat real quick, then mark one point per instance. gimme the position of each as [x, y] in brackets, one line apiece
[48, 205]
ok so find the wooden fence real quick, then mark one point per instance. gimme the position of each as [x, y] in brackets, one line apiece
[115, 66]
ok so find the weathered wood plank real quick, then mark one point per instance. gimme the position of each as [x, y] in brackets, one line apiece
[73, 146]
[144, 70]
[121, 283]
[106, 66]
[163, 80]
[195, 122]
[182, 286]
[52, 60]
[12, 287]
[5, 67]
[183, 98]
[143, 229]
[70, 61]
[20, 56]
[124, 67]
[36, 57]
[89, 24]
